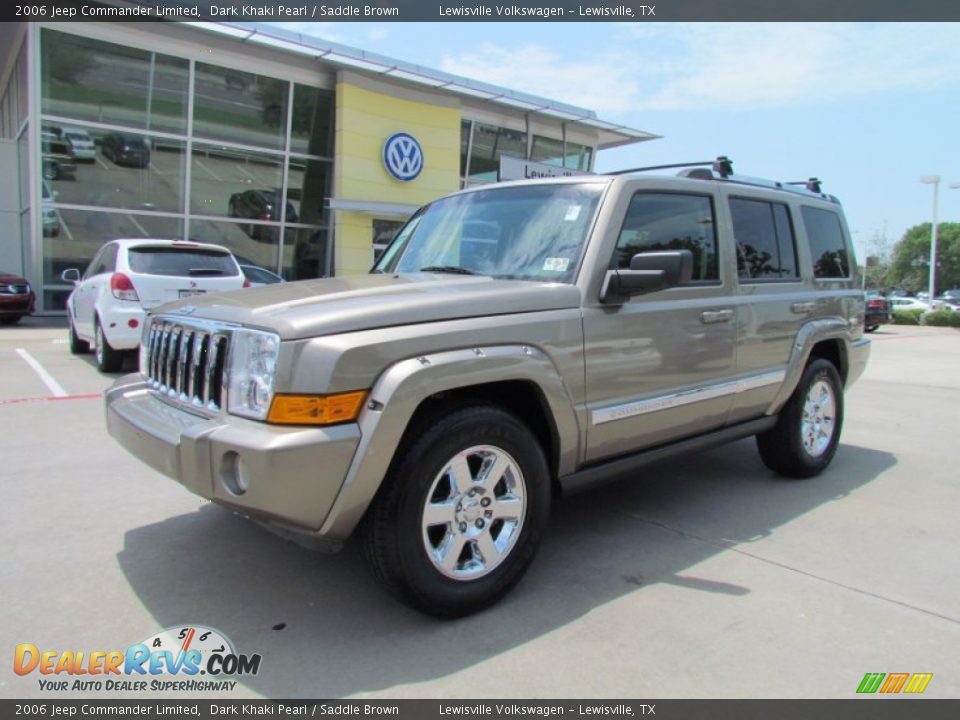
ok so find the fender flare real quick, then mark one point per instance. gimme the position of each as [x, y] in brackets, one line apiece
[810, 334]
[400, 390]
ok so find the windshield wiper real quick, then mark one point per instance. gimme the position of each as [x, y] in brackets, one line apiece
[455, 269]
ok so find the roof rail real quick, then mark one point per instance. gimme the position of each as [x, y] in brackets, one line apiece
[722, 169]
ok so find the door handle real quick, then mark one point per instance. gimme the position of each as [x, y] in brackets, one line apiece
[709, 317]
[802, 308]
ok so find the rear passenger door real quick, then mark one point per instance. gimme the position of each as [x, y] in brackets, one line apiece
[95, 280]
[660, 366]
[774, 302]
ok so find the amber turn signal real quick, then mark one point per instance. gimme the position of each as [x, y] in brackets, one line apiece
[316, 409]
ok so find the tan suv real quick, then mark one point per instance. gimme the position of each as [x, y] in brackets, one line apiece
[515, 342]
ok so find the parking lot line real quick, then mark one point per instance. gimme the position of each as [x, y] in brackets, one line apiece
[18, 401]
[208, 170]
[48, 379]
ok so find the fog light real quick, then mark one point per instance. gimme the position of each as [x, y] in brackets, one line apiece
[232, 474]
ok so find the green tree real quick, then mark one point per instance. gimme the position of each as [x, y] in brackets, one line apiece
[910, 267]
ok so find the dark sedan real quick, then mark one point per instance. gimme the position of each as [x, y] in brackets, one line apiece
[16, 298]
[878, 312]
[126, 149]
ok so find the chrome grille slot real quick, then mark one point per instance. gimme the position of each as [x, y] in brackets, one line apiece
[185, 362]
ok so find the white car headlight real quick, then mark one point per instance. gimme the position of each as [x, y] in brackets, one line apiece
[253, 361]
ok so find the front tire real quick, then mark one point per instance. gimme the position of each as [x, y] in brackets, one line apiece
[806, 436]
[461, 514]
[108, 359]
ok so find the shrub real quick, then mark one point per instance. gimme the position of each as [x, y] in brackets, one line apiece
[907, 317]
[941, 318]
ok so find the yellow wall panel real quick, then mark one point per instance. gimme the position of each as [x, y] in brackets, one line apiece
[365, 119]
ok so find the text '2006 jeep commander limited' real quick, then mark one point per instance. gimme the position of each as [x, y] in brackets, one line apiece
[513, 342]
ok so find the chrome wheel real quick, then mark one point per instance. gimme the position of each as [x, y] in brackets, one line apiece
[474, 512]
[819, 418]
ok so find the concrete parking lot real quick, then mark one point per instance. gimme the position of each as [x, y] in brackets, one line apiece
[706, 577]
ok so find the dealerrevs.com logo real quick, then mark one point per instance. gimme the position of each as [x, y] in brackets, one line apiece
[183, 658]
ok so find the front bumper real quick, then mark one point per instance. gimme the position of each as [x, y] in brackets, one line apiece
[18, 305]
[288, 476]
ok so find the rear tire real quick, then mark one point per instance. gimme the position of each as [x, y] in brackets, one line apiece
[460, 516]
[807, 433]
[108, 359]
[77, 346]
[871, 328]
[10, 319]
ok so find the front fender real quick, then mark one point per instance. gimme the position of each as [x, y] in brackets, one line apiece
[401, 389]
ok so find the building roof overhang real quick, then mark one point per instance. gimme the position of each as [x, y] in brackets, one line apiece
[610, 134]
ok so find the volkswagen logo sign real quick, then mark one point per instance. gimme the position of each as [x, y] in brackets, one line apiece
[403, 156]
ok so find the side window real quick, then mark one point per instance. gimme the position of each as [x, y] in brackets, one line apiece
[827, 246]
[766, 249]
[670, 221]
[109, 259]
[103, 262]
[94, 264]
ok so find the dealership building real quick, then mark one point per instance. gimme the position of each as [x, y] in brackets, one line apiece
[300, 155]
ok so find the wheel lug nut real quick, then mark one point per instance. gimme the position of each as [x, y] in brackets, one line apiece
[485, 502]
[488, 513]
[479, 523]
[463, 527]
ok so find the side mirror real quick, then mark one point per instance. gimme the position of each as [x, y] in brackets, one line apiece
[72, 275]
[648, 272]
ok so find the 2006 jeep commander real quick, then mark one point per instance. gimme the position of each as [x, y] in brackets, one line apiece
[514, 341]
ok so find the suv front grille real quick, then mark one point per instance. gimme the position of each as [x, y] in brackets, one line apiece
[185, 363]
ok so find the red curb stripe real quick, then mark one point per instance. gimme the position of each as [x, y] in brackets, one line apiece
[15, 401]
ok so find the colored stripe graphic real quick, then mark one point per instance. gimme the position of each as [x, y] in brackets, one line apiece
[870, 682]
[918, 682]
[894, 683]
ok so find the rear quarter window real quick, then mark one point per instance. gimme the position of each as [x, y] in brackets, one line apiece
[182, 262]
[828, 249]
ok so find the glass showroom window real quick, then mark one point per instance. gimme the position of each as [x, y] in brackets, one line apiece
[489, 142]
[305, 253]
[259, 246]
[311, 127]
[547, 150]
[578, 156]
[240, 107]
[89, 230]
[229, 182]
[107, 168]
[113, 84]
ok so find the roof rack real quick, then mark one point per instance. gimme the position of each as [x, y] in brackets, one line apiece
[722, 169]
[723, 166]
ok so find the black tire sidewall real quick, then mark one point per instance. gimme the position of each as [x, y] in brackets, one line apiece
[427, 457]
[816, 371]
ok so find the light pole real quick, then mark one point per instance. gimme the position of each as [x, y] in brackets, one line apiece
[935, 181]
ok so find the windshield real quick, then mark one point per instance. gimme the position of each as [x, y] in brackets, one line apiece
[529, 232]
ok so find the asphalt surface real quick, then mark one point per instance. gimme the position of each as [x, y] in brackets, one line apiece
[706, 577]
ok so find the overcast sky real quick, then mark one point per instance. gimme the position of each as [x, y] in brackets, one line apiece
[868, 108]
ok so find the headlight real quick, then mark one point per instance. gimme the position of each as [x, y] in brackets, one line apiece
[253, 361]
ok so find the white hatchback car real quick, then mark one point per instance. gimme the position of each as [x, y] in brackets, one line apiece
[127, 278]
[79, 144]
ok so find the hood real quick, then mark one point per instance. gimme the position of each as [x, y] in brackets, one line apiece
[311, 308]
[10, 279]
